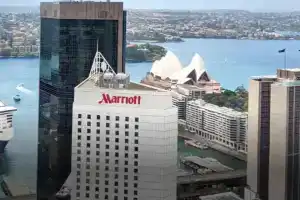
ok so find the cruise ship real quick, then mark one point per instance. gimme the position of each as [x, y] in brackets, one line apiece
[6, 126]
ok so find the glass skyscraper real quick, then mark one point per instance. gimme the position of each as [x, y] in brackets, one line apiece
[70, 32]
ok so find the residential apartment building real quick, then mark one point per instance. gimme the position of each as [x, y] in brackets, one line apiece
[218, 124]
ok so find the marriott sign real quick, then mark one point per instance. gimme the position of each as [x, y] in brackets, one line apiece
[108, 99]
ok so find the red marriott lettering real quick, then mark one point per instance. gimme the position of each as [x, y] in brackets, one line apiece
[107, 99]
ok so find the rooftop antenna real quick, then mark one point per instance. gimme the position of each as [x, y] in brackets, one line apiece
[97, 45]
[100, 64]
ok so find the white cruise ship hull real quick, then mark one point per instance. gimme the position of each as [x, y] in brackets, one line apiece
[5, 137]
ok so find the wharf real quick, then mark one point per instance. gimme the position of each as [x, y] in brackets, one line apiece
[11, 189]
[218, 147]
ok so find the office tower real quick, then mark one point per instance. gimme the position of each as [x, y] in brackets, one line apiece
[124, 146]
[258, 137]
[273, 135]
[284, 176]
[71, 32]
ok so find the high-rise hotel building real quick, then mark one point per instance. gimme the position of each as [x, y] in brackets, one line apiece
[273, 136]
[124, 145]
[70, 33]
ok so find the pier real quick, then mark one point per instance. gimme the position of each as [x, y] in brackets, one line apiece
[13, 190]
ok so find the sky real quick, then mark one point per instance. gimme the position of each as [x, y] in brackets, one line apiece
[252, 5]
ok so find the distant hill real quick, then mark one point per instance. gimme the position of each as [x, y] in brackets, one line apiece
[18, 9]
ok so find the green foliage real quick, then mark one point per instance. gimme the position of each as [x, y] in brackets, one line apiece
[145, 52]
[237, 99]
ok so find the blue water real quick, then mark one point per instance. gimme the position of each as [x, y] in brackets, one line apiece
[230, 62]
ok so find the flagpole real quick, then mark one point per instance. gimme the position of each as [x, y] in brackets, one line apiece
[284, 60]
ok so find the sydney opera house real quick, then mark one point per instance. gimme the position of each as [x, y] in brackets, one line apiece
[169, 71]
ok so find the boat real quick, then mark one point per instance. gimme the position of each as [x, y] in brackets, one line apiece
[17, 98]
[196, 144]
[6, 127]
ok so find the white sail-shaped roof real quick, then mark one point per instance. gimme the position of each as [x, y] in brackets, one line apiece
[166, 66]
[170, 67]
[196, 66]
[156, 69]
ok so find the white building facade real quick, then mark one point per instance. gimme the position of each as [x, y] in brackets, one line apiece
[218, 124]
[124, 143]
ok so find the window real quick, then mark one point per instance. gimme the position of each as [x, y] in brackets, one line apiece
[79, 137]
[88, 137]
[107, 132]
[88, 130]
[107, 153]
[126, 141]
[126, 148]
[117, 140]
[79, 130]
[136, 126]
[136, 119]
[136, 134]
[127, 119]
[135, 178]
[79, 116]
[126, 133]
[89, 116]
[98, 124]
[136, 163]
[116, 154]
[125, 169]
[136, 141]
[135, 170]
[79, 123]
[135, 185]
[117, 132]
[107, 161]
[98, 117]
[136, 149]
[107, 125]
[88, 123]
[98, 131]
[78, 144]
[136, 156]
[78, 151]
[107, 146]
[117, 125]
[107, 139]
[97, 138]
[107, 118]
[127, 126]
[116, 147]
[126, 155]
[117, 118]
[88, 152]
[88, 145]
[135, 192]
[97, 146]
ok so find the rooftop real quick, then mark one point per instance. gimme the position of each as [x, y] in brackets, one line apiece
[5, 108]
[289, 83]
[208, 163]
[222, 110]
[221, 196]
[102, 75]
[90, 83]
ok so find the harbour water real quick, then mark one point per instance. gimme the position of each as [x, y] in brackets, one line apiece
[230, 62]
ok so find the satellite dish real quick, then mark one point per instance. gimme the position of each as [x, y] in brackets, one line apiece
[103, 66]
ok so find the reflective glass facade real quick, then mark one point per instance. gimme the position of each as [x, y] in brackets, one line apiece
[67, 50]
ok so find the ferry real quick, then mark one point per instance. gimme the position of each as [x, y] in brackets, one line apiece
[6, 127]
[196, 144]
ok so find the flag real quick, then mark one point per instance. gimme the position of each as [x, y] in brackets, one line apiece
[281, 51]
